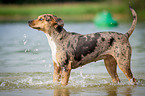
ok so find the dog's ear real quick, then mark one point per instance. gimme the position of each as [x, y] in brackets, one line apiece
[58, 23]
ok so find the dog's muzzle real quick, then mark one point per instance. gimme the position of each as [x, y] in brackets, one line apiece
[31, 25]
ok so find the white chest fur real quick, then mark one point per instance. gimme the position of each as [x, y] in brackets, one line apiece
[53, 47]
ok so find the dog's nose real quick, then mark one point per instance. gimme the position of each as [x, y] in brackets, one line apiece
[30, 21]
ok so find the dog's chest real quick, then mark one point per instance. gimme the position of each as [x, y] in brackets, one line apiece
[53, 47]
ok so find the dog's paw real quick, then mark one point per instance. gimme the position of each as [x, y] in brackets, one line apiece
[133, 81]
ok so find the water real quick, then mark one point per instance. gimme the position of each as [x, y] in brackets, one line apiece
[26, 67]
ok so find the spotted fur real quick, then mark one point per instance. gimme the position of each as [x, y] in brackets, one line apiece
[71, 50]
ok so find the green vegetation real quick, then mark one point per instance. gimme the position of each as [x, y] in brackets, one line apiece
[44, 1]
[67, 11]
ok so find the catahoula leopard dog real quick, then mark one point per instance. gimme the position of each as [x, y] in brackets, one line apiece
[71, 50]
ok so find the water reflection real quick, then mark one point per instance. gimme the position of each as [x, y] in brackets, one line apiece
[103, 91]
[112, 91]
[61, 92]
[116, 90]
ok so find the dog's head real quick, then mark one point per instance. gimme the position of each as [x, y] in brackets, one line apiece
[44, 22]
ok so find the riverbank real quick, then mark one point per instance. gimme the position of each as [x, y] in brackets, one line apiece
[69, 12]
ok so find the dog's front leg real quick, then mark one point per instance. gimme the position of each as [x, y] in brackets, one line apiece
[56, 74]
[65, 74]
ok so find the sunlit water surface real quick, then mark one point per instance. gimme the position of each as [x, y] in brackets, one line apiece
[26, 67]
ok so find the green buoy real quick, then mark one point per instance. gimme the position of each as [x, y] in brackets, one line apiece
[105, 19]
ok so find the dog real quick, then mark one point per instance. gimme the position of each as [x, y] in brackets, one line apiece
[71, 50]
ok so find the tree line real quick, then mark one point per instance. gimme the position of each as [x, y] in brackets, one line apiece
[41, 1]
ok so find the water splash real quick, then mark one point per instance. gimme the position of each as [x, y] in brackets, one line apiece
[37, 80]
[25, 41]
[25, 80]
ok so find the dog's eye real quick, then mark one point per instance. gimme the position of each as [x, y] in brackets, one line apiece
[40, 19]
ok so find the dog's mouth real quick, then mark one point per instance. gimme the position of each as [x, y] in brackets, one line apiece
[32, 25]
[36, 27]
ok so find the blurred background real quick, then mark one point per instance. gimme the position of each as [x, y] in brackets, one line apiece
[69, 10]
[26, 65]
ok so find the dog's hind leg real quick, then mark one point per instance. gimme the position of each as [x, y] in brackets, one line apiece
[123, 62]
[65, 74]
[111, 64]
[125, 67]
[56, 74]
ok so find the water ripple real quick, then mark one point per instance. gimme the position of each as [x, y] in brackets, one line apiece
[37, 80]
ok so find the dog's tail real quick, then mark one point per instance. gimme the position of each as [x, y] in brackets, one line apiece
[130, 31]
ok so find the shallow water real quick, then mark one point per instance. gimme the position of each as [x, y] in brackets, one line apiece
[26, 66]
